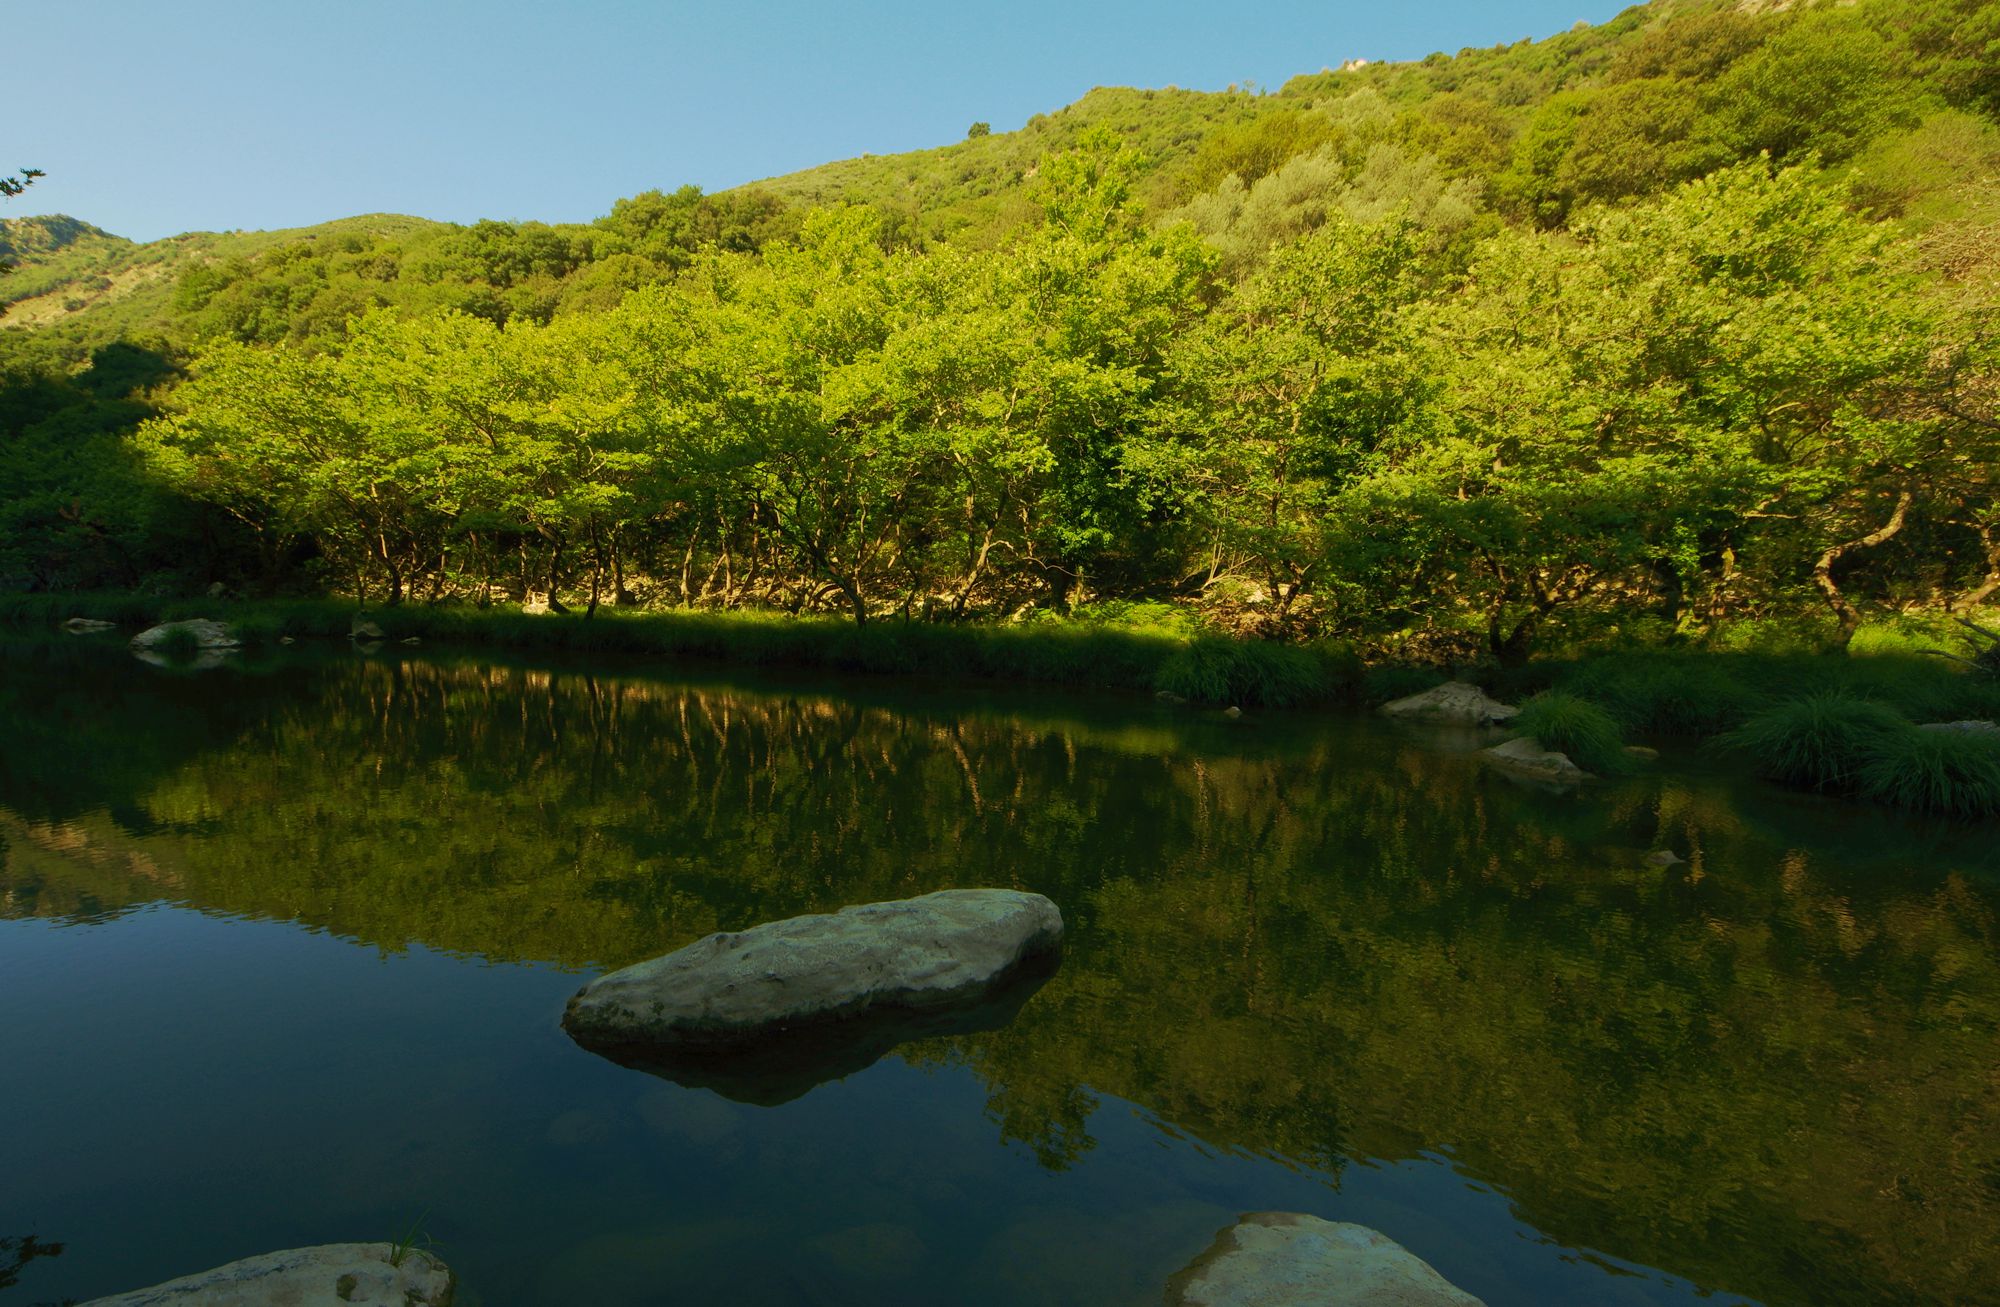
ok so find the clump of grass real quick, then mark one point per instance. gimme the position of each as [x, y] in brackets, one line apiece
[178, 643]
[1575, 727]
[1821, 741]
[1217, 669]
[1949, 773]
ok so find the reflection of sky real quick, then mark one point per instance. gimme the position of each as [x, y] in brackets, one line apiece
[184, 1090]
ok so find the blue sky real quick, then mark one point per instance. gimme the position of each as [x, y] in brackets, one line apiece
[153, 117]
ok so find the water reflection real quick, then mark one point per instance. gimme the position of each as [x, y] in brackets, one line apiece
[1771, 1069]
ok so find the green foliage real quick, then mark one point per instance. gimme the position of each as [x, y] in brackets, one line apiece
[1823, 741]
[1950, 773]
[1575, 727]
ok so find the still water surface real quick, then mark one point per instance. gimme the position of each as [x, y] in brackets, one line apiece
[283, 947]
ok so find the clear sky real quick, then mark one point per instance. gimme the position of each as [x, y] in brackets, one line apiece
[158, 116]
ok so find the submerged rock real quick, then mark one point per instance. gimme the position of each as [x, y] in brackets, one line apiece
[86, 626]
[331, 1275]
[1454, 703]
[203, 633]
[1526, 757]
[1283, 1259]
[781, 1007]
[1964, 728]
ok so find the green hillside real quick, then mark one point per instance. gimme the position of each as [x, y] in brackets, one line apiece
[1664, 329]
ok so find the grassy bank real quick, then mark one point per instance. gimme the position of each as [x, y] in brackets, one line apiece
[1839, 723]
[1201, 669]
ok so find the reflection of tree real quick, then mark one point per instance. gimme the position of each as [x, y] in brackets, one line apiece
[1769, 1070]
[16, 1252]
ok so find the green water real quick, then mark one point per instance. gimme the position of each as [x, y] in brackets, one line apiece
[283, 948]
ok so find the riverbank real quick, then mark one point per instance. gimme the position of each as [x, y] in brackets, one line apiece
[1850, 724]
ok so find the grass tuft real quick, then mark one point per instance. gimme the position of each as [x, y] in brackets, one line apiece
[1820, 742]
[1218, 669]
[1947, 773]
[1576, 727]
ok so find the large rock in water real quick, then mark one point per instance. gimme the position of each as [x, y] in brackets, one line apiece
[1282, 1259]
[332, 1275]
[762, 1015]
[204, 633]
[1455, 703]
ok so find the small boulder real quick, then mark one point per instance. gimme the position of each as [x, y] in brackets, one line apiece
[1526, 757]
[204, 633]
[937, 951]
[1232, 712]
[1168, 696]
[86, 626]
[217, 589]
[1455, 703]
[1284, 1259]
[1642, 753]
[411, 639]
[363, 629]
[332, 1275]
[1963, 728]
[1664, 858]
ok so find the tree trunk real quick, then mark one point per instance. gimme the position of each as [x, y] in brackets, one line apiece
[1843, 609]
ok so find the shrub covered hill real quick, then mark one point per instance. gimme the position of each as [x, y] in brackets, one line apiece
[1654, 326]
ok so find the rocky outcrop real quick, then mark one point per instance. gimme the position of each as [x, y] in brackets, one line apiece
[1283, 1259]
[200, 632]
[332, 1275]
[773, 1010]
[1455, 703]
[1526, 757]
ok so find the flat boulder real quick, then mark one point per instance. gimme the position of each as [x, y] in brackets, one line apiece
[331, 1275]
[1526, 757]
[204, 634]
[1991, 729]
[1455, 703]
[86, 626]
[1284, 1259]
[919, 955]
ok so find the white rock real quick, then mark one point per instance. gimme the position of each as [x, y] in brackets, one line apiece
[1283, 1259]
[1527, 757]
[939, 950]
[1454, 703]
[332, 1275]
[207, 635]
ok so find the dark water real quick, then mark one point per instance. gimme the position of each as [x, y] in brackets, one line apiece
[283, 949]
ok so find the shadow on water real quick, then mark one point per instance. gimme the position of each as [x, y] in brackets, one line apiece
[1768, 1069]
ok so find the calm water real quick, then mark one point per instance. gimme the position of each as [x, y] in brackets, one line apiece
[283, 948]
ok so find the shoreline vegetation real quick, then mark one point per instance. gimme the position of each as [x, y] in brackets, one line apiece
[1845, 721]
